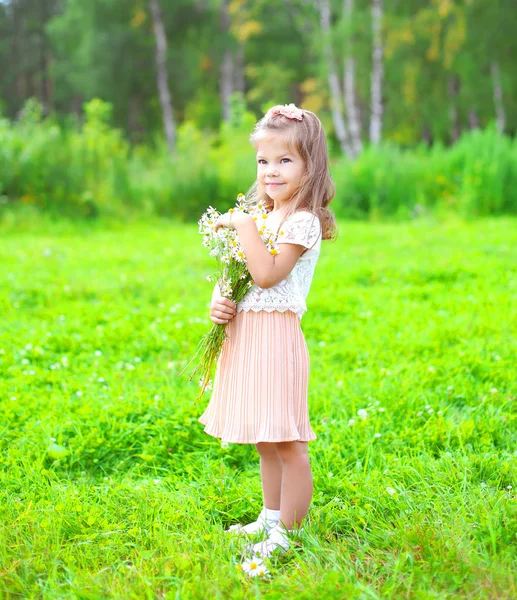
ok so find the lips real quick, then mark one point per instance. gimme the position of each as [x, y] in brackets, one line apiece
[274, 184]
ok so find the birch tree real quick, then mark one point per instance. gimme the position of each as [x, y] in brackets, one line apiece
[354, 122]
[161, 75]
[227, 63]
[498, 96]
[333, 80]
[377, 73]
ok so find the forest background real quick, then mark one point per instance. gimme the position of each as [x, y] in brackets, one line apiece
[123, 107]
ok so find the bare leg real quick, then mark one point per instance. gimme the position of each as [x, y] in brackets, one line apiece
[297, 485]
[271, 474]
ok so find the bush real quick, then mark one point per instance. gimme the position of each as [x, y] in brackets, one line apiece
[91, 171]
[476, 177]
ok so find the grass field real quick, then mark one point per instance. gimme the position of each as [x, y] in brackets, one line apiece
[109, 488]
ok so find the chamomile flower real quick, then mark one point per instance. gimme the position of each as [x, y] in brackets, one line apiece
[254, 567]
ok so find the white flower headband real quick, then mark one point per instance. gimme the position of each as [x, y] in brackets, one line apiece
[287, 110]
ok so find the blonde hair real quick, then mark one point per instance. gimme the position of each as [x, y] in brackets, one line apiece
[316, 188]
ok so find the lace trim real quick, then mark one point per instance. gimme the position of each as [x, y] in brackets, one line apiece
[258, 308]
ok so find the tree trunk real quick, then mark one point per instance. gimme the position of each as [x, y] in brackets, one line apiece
[44, 91]
[377, 73]
[238, 81]
[473, 119]
[354, 122]
[453, 86]
[227, 65]
[498, 96]
[161, 75]
[335, 92]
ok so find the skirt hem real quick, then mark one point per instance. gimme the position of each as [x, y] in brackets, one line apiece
[226, 441]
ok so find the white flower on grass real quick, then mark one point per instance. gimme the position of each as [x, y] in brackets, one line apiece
[98, 352]
[493, 390]
[362, 413]
[253, 567]
[431, 369]
[351, 422]
[391, 491]
[377, 435]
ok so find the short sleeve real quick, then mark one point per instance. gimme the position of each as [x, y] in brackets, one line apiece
[302, 228]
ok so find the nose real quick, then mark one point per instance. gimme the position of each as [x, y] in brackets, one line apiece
[271, 171]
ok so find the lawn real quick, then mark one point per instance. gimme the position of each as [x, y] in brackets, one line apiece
[109, 488]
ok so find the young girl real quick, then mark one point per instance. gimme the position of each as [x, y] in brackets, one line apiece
[260, 387]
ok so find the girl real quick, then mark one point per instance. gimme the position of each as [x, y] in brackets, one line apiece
[260, 387]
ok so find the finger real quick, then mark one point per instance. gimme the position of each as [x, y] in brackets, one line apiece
[220, 321]
[227, 302]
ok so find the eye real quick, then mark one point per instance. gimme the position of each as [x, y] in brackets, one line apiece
[287, 159]
[261, 161]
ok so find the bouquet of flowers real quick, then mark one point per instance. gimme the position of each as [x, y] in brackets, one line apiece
[232, 276]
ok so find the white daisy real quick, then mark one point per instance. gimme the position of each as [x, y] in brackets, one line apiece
[254, 567]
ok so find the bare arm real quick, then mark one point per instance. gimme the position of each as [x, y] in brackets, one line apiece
[267, 270]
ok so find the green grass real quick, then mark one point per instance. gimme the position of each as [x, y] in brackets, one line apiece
[415, 323]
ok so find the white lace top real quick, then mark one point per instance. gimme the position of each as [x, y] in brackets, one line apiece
[290, 294]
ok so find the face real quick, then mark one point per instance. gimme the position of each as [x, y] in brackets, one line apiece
[279, 169]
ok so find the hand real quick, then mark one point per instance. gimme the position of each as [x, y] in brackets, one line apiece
[231, 220]
[222, 310]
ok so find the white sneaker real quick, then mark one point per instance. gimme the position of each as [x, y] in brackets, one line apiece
[266, 521]
[277, 542]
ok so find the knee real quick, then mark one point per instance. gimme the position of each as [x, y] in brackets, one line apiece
[267, 449]
[293, 451]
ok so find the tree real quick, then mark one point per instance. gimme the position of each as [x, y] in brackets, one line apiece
[161, 75]
[377, 73]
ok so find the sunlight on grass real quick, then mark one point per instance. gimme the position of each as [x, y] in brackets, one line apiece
[110, 487]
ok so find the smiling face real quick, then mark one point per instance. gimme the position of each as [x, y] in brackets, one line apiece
[279, 169]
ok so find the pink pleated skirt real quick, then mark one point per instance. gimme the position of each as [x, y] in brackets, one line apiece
[260, 388]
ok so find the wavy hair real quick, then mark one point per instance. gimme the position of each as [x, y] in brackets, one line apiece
[316, 189]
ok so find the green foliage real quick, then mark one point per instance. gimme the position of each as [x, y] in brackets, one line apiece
[109, 487]
[66, 172]
[92, 171]
[476, 177]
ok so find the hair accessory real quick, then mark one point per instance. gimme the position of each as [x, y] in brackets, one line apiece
[287, 110]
